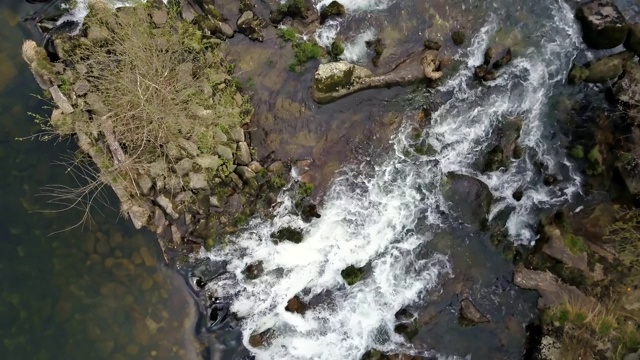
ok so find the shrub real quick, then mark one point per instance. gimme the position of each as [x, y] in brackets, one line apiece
[287, 34]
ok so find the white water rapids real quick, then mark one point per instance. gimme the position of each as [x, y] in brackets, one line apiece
[369, 214]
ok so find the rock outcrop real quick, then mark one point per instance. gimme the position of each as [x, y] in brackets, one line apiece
[553, 292]
[603, 25]
[335, 80]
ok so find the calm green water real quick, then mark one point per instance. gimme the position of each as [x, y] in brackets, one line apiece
[97, 293]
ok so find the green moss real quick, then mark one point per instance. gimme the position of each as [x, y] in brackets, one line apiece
[574, 243]
[337, 49]
[240, 220]
[210, 243]
[276, 182]
[576, 152]
[305, 51]
[594, 156]
[305, 189]
[287, 34]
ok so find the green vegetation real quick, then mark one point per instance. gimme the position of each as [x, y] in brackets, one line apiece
[287, 34]
[303, 52]
[595, 162]
[305, 189]
[576, 152]
[574, 243]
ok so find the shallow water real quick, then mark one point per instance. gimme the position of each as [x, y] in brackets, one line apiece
[100, 292]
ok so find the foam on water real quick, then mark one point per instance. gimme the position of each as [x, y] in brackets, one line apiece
[371, 210]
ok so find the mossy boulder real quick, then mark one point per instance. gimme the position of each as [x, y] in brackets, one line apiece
[352, 274]
[335, 80]
[287, 234]
[601, 70]
[333, 9]
[296, 9]
[603, 25]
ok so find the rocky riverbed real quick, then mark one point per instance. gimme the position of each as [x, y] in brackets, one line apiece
[491, 145]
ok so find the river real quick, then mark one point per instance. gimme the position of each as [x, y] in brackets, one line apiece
[383, 212]
[98, 292]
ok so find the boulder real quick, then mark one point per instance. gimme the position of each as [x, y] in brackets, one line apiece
[287, 234]
[352, 274]
[507, 148]
[254, 270]
[603, 25]
[430, 64]
[601, 70]
[469, 197]
[632, 42]
[167, 206]
[250, 25]
[553, 291]
[245, 173]
[337, 79]
[333, 9]
[295, 305]
[243, 155]
[198, 181]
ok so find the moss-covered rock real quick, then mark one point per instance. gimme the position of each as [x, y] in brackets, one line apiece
[352, 274]
[333, 9]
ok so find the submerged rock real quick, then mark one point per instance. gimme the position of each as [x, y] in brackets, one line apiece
[431, 44]
[469, 197]
[470, 315]
[250, 25]
[603, 25]
[458, 37]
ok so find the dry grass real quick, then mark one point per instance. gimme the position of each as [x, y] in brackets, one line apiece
[588, 325]
[155, 85]
[624, 235]
[150, 88]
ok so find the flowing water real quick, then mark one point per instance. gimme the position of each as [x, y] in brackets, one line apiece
[371, 213]
[100, 292]
[386, 212]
